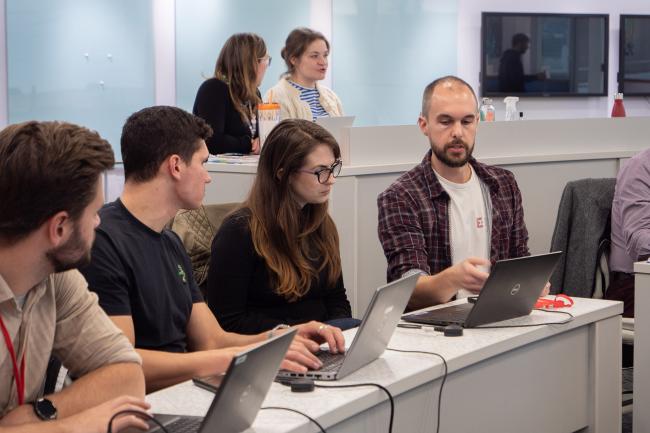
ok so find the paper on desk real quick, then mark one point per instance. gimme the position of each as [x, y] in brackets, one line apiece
[234, 158]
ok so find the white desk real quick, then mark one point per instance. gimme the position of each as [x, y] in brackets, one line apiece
[558, 378]
[641, 418]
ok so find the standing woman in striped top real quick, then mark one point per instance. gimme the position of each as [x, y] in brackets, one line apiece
[306, 54]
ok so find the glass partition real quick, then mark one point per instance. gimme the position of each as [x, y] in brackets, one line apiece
[386, 51]
[86, 62]
[202, 27]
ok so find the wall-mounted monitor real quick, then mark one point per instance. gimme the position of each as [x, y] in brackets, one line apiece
[634, 55]
[544, 54]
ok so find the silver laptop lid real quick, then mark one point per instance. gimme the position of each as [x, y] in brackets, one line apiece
[378, 324]
[335, 125]
[245, 386]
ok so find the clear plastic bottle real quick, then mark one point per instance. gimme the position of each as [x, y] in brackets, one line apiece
[486, 111]
[618, 110]
[511, 107]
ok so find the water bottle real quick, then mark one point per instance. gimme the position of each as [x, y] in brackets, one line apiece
[618, 110]
[486, 111]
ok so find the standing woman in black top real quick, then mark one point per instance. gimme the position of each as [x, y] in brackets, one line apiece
[228, 101]
[276, 260]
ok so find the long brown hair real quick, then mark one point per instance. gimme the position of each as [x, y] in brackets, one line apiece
[291, 239]
[237, 67]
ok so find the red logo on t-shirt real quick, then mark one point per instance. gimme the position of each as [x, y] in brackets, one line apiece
[479, 222]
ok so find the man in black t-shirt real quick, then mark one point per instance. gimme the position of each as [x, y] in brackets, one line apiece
[142, 273]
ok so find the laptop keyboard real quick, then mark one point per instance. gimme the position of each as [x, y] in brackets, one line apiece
[331, 361]
[184, 425]
[442, 316]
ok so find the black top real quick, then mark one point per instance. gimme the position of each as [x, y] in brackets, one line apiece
[230, 132]
[145, 274]
[239, 291]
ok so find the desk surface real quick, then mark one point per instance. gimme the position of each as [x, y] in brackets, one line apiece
[399, 372]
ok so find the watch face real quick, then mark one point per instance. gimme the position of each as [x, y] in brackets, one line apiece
[45, 409]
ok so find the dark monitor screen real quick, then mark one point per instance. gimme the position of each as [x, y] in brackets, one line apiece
[634, 55]
[544, 54]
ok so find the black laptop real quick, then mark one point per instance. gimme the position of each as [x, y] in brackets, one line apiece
[511, 290]
[240, 394]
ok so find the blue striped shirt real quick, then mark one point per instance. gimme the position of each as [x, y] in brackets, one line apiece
[311, 96]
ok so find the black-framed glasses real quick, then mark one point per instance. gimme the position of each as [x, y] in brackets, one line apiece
[323, 174]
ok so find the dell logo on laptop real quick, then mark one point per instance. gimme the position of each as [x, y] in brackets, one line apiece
[515, 289]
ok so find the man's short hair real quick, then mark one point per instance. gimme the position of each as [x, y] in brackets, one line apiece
[152, 134]
[431, 87]
[45, 168]
[519, 38]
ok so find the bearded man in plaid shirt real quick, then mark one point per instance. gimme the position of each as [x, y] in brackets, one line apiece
[450, 217]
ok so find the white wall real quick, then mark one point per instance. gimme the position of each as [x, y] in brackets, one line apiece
[469, 58]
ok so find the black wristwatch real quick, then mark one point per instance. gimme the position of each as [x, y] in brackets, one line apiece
[45, 409]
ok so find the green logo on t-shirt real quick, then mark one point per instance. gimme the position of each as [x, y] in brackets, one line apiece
[181, 273]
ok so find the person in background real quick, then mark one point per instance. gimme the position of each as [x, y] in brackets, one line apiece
[630, 235]
[51, 189]
[142, 273]
[276, 260]
[228, 101]
[450, 217]
[306, 54]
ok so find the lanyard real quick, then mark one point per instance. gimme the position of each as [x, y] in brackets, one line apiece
[19, 376]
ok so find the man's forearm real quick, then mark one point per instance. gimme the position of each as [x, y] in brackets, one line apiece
[90, 390]
[99, 386]
[163, 369]
[431, 290]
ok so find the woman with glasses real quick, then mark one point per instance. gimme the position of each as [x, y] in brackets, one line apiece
[276, 260]
[306, 54]
[228, 101]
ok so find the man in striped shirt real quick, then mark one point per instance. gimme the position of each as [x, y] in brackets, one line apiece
[450, 217]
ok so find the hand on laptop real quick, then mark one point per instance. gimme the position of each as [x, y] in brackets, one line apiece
[317, 333]
[95, 420]
[468, 274]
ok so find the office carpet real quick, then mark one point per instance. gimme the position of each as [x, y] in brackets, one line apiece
[626, 421]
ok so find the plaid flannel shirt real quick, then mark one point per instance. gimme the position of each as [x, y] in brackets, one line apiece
[414, 221]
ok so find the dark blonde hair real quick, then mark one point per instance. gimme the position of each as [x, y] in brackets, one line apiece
[237, 67]
[297, 43]
[291, 239]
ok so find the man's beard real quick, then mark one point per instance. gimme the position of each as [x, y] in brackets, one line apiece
[71, 255]
[442, 156]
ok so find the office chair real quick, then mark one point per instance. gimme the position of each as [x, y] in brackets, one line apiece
[197, 228]
[582, 231]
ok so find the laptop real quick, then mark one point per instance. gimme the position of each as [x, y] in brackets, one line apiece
[376, 329]
[240, 394]
[335, 125]
[511, 290]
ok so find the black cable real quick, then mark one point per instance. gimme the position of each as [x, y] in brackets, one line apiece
[356, 385]
[444, 377]
[142, 415]
[298, 412]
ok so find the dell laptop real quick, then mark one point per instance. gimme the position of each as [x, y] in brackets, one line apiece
[240, 394]
[511, 290]
[376, 329]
